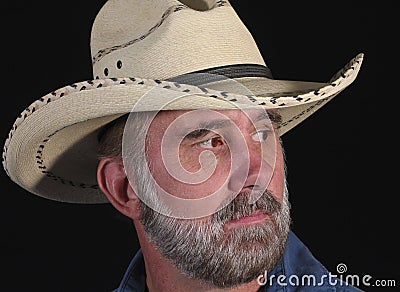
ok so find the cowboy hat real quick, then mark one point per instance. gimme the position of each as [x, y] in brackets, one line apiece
[137, 46]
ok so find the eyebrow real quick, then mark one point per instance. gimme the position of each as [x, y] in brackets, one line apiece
[272, 115]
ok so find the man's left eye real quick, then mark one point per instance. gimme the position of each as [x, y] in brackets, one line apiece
[262, 135]
[211, 143]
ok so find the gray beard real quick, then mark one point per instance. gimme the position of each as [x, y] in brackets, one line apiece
[203, 250]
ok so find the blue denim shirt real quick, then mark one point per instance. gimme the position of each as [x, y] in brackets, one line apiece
[298, 270]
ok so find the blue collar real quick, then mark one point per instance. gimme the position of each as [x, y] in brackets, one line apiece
[298, 270]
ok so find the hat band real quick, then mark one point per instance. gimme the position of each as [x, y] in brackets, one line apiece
[205, 76]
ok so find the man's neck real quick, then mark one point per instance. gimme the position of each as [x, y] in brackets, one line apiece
[162, 275]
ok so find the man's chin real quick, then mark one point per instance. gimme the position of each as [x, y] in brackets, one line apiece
[252, 257]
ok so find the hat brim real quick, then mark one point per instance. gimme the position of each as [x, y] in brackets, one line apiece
[51, 150]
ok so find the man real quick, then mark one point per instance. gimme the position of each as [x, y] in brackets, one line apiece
[205, 184]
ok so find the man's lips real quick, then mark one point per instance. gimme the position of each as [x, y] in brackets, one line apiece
[254, 218]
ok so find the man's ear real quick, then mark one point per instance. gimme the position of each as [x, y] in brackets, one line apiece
[114, 184]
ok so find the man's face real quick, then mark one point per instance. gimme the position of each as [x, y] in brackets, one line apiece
[198, 155]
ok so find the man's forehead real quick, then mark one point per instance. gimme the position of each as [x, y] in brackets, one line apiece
[205, 114]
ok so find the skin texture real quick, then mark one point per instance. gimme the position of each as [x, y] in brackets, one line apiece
[162, 275]
[189, 157]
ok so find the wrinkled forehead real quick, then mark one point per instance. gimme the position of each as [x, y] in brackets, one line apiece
[204, 118]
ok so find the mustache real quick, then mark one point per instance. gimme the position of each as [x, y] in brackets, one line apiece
[240, 206]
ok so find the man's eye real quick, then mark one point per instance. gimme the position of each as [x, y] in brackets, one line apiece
[211, 143]
[262, 135]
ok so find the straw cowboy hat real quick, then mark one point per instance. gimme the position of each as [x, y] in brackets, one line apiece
[137, 46]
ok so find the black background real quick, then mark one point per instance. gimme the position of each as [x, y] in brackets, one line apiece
[341, 197]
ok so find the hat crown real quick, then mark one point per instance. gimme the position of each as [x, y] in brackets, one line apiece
[161, 39]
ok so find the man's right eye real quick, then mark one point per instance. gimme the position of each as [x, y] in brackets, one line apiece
[211, 143]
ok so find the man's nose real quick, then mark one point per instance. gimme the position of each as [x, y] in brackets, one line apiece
[252, 171]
